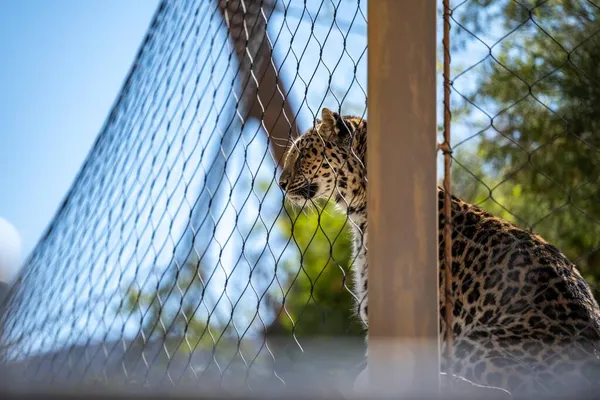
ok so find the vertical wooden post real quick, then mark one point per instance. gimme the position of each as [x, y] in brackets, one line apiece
[402, 226]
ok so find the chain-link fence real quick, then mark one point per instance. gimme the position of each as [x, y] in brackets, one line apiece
[173, 258]
[522, 77]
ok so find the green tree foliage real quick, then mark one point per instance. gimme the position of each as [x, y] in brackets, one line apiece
[315, 325]
[536, 160]
[318, 299]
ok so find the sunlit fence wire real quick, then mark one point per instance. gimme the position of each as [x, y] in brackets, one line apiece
[523, 79]
[524, 82]
[172, 258]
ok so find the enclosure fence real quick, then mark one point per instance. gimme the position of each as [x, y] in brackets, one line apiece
[519, 82]
[524, 146]
[175, 260]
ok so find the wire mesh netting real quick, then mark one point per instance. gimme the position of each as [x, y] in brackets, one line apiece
[523, 76]
[173, 257]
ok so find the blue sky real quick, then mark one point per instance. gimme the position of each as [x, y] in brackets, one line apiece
[64, 62]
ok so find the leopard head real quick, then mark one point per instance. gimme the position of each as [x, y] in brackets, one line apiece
[328, 162]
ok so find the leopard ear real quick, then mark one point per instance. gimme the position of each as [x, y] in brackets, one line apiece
[334, 127]
[330, 120]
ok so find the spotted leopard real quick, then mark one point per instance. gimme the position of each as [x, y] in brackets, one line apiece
[524, 319]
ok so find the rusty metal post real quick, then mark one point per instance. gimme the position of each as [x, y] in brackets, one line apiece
[402, 197]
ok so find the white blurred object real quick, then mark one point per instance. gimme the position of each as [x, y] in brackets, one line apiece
[10, 251]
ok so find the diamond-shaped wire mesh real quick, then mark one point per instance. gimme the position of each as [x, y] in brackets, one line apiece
[523, 79]
[172, 259]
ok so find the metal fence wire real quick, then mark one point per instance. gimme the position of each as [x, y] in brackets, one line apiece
[523, 79]
[173, 258]
[520, 87]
